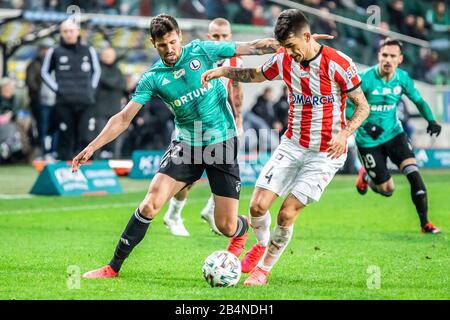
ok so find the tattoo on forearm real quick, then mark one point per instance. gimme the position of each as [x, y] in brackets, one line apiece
[241, 74]
[258, 47]
[361, 110]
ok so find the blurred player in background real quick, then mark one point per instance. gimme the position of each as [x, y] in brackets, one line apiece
[219, 30]
[382, 134]
[313, 148]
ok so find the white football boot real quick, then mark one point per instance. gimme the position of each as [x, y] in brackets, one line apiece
[176, 226]
[208, 215]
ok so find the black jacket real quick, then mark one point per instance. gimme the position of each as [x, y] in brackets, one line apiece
[110, 91]
[264, 109]
[77, 73]
[281, 110]
[33, 80]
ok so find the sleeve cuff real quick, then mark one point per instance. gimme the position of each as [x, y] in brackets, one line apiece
[354, 88]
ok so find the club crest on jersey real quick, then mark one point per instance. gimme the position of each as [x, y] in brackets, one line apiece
[63, 59]
[179, 73]
[195, 64]
[313, 100]
[397, 90]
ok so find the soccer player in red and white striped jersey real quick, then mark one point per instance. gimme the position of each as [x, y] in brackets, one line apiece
[313, 148]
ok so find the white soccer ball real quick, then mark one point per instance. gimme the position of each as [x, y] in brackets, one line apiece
[222, 269]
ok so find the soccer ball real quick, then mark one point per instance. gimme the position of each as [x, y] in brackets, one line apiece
[222, 269]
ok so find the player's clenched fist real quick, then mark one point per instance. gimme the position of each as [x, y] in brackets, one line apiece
[82, 157]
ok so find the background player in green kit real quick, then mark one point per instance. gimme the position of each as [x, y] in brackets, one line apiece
[382, 135]
[207, 134]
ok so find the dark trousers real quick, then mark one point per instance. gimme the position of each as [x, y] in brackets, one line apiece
[76, 126]
[44, 116]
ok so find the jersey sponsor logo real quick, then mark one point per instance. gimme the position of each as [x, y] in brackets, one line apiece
[382, 107]
[190, 96]
[304, 74]
[351, 72]
[63, 59]
[314, 100]
[179, 73]
[195, 64]
[165, 81]
[375, 92]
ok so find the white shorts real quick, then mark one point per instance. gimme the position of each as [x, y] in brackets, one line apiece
[302, 172]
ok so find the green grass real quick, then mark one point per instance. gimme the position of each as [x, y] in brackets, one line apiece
[334, 243]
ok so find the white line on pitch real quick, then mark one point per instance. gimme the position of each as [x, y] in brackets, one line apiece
[97, 206]
[15, 196]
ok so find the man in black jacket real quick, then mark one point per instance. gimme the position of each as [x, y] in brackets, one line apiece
[77, 73]
[264, 107]
[281, 111]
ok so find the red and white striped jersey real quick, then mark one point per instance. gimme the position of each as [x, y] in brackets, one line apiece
[236, 62]
[317, 94]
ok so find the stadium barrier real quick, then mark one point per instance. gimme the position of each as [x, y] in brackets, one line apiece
[433, 158]
[94, 178]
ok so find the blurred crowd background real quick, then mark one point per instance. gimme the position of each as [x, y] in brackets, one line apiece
[29, 124]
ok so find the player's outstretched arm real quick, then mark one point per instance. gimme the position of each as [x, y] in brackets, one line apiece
[268, 45]
[115, 126]
[338, 143]
[235, 74]
[257, 47]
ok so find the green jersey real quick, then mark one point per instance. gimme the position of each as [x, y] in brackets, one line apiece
[202, 115]
[383, 97]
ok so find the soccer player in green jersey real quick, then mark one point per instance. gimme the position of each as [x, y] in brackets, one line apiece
[382, 135]
[207, 134]
[218, 30]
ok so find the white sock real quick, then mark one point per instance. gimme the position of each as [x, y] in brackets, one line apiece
[209, 208]
[261, 228]
[278, 242]
[175, 208]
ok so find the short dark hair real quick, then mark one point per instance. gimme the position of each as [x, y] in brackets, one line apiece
[163, 24]
[289, 22]
[391, 42]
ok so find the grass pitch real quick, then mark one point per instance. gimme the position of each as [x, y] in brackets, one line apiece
[337, 245]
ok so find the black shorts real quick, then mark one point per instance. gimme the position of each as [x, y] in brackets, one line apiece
[187, 163]
[374, 159]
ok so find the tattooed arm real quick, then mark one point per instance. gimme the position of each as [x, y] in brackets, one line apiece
[257, 47]
[338, 143]
[235, 74]
[236, 96]
[268, 45]
[361, 110]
